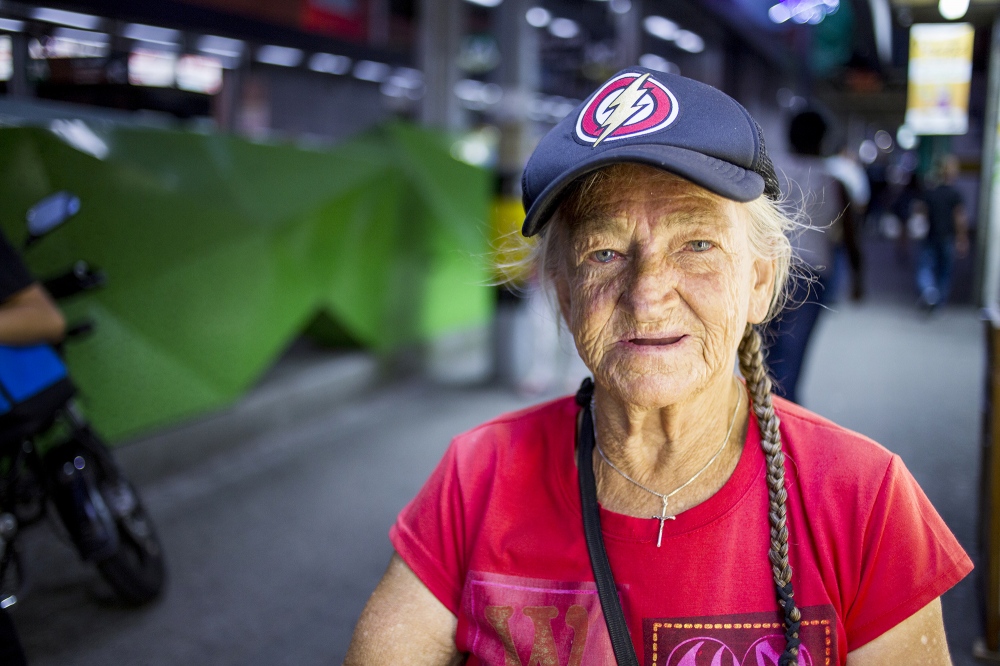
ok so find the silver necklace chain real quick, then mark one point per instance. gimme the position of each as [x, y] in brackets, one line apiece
[665, 497]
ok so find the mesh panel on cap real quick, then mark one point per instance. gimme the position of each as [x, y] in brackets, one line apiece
[764, 167]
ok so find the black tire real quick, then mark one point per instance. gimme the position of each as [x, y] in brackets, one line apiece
[136, 572]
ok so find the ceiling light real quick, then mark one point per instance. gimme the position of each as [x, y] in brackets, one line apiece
[152, 34]
[659, 63]
[690, 42]
[469, 90]
[564, 28]
[198, 73]
[87, 37]
[478, 94]
[883, 140]
[369, 70]
[407, 77]
[220, 46]
[11, 25]
[538, 17]
[151, 68]
[282, 56]
[953, 9]
[328, 63]
[906, 137]
[802, 11]
[485, 3]
[72, 43]
[391, 89]
[660, 27]
[779, 13]
[63, 17]
[621, 6]
[868, 151]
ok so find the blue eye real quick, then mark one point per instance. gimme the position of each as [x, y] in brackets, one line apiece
[604, 256]
[701, 245]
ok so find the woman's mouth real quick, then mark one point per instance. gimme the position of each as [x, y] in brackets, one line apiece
[655, 342]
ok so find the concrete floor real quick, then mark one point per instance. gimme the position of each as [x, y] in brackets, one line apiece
[275, 545]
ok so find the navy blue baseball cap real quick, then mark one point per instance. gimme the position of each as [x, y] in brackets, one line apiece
[653, 118]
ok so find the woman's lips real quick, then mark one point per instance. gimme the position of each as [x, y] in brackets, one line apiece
[655, 342]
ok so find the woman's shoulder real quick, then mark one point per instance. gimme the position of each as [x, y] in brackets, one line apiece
[819, 447]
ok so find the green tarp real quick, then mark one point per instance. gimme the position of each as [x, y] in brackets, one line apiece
[219, 252]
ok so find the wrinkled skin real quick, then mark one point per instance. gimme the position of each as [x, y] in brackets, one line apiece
[656, 280]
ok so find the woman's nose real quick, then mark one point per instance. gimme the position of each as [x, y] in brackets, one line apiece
[653, 287]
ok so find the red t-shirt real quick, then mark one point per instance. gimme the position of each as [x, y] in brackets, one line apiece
[497, 535]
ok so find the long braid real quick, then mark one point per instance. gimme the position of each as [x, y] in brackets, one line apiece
[753, 369]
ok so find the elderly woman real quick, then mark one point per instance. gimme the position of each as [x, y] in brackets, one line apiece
[722, 526]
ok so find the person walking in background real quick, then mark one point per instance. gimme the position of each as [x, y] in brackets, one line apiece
[845, 168]
[947, 234]
[809, 186]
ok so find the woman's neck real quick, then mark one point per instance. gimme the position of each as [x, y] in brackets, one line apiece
[663, 448]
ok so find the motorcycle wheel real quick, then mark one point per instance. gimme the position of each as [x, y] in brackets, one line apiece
[136, 571]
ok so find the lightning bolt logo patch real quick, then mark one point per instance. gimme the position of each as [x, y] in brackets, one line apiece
[628, 105]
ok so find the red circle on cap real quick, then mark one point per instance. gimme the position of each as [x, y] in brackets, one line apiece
[654, 110]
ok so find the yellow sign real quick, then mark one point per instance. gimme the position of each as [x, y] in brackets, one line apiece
[937, 100]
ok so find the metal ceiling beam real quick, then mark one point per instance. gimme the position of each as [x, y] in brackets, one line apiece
[193, 18]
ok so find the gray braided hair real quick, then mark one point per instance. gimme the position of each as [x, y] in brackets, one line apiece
[755, 371]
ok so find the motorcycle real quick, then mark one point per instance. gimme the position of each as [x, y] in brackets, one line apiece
[51, 456]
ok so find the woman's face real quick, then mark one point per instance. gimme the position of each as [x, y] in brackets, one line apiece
[657, 283]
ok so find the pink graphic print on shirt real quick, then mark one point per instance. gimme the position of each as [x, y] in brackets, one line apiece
[526, 622]
[750, 639]
[513, 621]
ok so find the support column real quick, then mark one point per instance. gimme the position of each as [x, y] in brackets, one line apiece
[440, 36]
[519, 74]
[987, 294]
[378, 23]
[986, 282]
[628, 35]
[19, 85]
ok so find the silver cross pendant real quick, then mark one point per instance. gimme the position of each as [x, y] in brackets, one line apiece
[663, 517]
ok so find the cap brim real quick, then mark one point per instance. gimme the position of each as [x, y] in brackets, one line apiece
[715, 175]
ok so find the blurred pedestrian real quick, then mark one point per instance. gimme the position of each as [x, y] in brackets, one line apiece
[905, 208]
[845, 168]
[810, 188]
[947, 234]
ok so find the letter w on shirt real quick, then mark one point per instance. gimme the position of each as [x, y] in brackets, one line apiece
[525, 622]
[543, 647]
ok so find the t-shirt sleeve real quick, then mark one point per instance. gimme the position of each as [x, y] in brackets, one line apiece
[429, 533]
[909, 558]
[14, 276]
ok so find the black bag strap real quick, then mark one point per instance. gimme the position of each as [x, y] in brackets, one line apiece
[621, 642]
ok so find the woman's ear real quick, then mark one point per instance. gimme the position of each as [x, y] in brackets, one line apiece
[762, 274]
